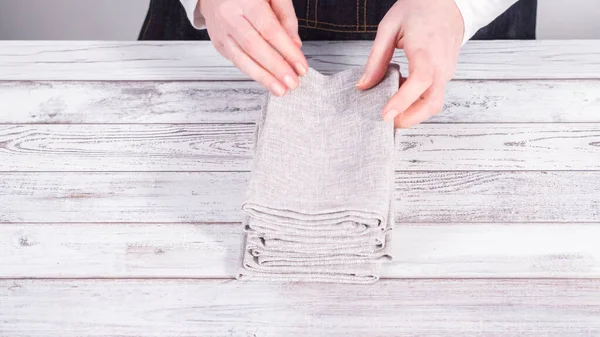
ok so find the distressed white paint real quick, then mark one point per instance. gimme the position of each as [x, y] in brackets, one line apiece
[126, 147]
[198, 60]
[130, 102]
[504, 196]
[473, 101]
[228, 147]
[465, 206]
[521, 146]
[148, 250]
[111, 308]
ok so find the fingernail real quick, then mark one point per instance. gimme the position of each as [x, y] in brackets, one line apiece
[277, 89]
[300, 69]
[289, 81]
[362, 80]
[298, 41]
[390, 115]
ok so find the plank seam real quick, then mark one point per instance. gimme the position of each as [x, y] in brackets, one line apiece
[411, 223]
[233, 279]
[238, 171]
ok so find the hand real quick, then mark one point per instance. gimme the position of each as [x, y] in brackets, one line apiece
[260, 37]
[431, 34]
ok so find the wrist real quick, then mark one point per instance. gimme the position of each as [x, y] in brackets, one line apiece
[199, 9]
[466, 14]
[192, 10]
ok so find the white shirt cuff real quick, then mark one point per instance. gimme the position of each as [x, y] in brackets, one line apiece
[478, 13]
[192, 9]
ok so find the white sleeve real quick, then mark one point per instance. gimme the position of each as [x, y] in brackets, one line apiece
[193, 13]
[478, 13]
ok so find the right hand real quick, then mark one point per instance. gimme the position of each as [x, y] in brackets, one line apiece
[431, 33]
[260, 37]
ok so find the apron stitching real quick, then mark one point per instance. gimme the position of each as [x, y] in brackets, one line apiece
[357, 20]
[365, 16]
[316, 9]
[337, 30]
[332, 24]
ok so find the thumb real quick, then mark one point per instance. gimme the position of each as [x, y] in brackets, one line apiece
[380, 56]
[284, 10]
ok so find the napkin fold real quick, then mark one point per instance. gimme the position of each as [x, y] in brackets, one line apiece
[319, 201]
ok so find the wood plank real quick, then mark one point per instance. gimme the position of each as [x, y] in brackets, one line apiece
[499, 147]
[478, 101]
[538, 101]
[510, 196]
[128, 147]
[120, 250]
[130, 102]
[431, 197]
[225, 308]
[228, 147]
[93, 60]
[121, 197]
[147, 250]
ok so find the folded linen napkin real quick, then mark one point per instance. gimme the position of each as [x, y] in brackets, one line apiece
[319, 199]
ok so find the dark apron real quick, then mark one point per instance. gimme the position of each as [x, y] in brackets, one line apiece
[334, 20]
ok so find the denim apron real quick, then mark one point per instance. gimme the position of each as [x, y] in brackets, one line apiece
[334, 20]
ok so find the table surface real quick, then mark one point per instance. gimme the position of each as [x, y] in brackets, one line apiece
[123, 166]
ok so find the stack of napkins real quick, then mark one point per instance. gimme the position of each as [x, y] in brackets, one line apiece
[319, 201]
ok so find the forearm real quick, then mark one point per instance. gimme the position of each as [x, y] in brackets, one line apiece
[192, 9]
[478, 13]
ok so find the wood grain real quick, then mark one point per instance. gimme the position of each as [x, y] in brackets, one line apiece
[146, 250]
[476, 101]
[130, 102]
[129, 147]
[121, 197]
[228, 147]
[511, 196]
[438, 197]
[90, 60]
[128, 130]
[551, 146]
[228, 308]
[521, 101]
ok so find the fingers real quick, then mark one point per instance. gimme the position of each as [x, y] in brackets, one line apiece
[262, 17]
[420, 78]
[246, 64]
[381, 54]
[260, 51]
[284, 10]
[431, 104]
[250, 34]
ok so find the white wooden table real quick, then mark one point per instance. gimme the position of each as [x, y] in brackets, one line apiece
[123, 167]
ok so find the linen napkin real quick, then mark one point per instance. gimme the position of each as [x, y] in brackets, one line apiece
[319, 201]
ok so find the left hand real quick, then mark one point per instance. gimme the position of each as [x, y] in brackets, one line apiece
[431, 34]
